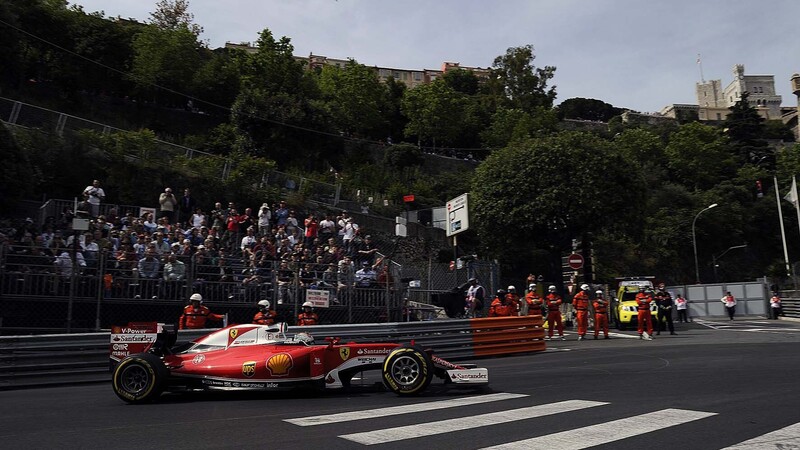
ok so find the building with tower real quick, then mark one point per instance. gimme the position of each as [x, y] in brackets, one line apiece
[713, 100]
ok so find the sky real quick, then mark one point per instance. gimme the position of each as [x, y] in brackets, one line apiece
[634, 54]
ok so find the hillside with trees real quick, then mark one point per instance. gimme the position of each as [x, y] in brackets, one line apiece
[630, 191]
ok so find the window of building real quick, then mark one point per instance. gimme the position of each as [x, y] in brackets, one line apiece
[417, 76]
[719, 116]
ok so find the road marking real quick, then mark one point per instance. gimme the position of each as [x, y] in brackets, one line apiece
[600, 434]
[467, 423]
[788, 437]
[404, 409]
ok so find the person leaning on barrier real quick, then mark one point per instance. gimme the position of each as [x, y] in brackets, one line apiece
[308, 316]
[265, 315]
[195, 315]
[500, 306]
[775, 306]
[476, 296]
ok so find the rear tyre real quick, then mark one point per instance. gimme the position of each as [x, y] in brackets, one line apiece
[407, 370]
[140, 378]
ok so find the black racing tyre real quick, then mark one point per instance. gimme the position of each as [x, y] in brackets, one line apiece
[140, 378]
[407, 370]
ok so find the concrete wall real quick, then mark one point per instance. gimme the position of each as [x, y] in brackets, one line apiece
[704, 299]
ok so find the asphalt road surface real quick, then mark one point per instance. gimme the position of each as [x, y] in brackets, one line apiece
[717, 384]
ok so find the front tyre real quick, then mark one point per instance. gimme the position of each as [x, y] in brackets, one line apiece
[407, 370]
[139, 378]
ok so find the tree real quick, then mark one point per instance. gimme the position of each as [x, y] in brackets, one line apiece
[358, 101]
[699, 157]
[435, 112]
[460, 80]
[518, 83]
[541, 193]
[587, 109]
[174, 15]
[510, 125]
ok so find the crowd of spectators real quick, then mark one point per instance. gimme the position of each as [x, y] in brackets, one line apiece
[271, 249]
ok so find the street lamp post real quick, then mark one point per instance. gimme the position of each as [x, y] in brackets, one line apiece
[715, 258]
[694, 241]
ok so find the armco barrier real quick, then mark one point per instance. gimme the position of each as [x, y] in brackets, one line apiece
[32, 361]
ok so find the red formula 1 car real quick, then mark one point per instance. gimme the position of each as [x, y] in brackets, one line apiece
[145, 362]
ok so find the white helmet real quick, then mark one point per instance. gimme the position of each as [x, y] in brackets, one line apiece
[511, 289]
[532, 286]
[599, 292]
[584, 287]
[308, 304]
[551, 288]
[196, 298]
[264, 304]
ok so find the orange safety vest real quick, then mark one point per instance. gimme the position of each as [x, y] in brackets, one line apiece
[305, 318]
[553, 301]
[643, 300]
[265, 318]
[581, 301]
[193, 319]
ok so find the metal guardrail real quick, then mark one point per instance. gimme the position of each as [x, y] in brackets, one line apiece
[59, 359]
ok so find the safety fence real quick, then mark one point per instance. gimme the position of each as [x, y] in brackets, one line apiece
[47, 360]
[94, 291]
[704, 299]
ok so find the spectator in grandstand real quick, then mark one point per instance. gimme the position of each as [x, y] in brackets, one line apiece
[63, 262]
[195, 237]
[149, 223]
[230, 238]
[186, 206]
[198, 219]
[291, 223]
[281, 214]
[246, 221]
[65, 221]
[94, 195]
[312, 228]
[219, 216]
[327, 228]
[167, 204]
[264, 218]
[91, 251]
[248, 243]
[161, 244]
[346, 272]
[174, 269]
[366, 275]
[366, 250]
[350, 231]
[149, 266]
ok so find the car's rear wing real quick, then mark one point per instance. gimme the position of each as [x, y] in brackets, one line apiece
[140, 337]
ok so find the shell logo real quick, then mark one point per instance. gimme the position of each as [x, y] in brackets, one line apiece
[279, 364]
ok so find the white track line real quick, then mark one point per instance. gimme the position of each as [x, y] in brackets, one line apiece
[467, 423]
[787, 438]
[608, 431]
[404, 409]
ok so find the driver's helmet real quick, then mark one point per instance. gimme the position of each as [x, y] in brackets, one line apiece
[304, 338]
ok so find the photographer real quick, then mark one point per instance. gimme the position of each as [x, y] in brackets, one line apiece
[167, 203]
[94, 194]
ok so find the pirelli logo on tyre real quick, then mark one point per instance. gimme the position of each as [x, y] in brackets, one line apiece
[249, 369]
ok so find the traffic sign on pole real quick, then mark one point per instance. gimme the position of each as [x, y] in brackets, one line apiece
[575, 261]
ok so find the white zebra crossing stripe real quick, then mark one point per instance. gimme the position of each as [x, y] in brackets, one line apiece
[467, 423]
[607, 432]
[787, 438]
[404, 409]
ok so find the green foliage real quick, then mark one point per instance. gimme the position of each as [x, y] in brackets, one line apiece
[165, 58]
[586, 109]
[436, 112]
[543, 192]
[512, 125]
[699, 156]
[356, 98]
[520, 84]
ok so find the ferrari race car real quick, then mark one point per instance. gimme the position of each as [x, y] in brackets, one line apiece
[146, 362]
